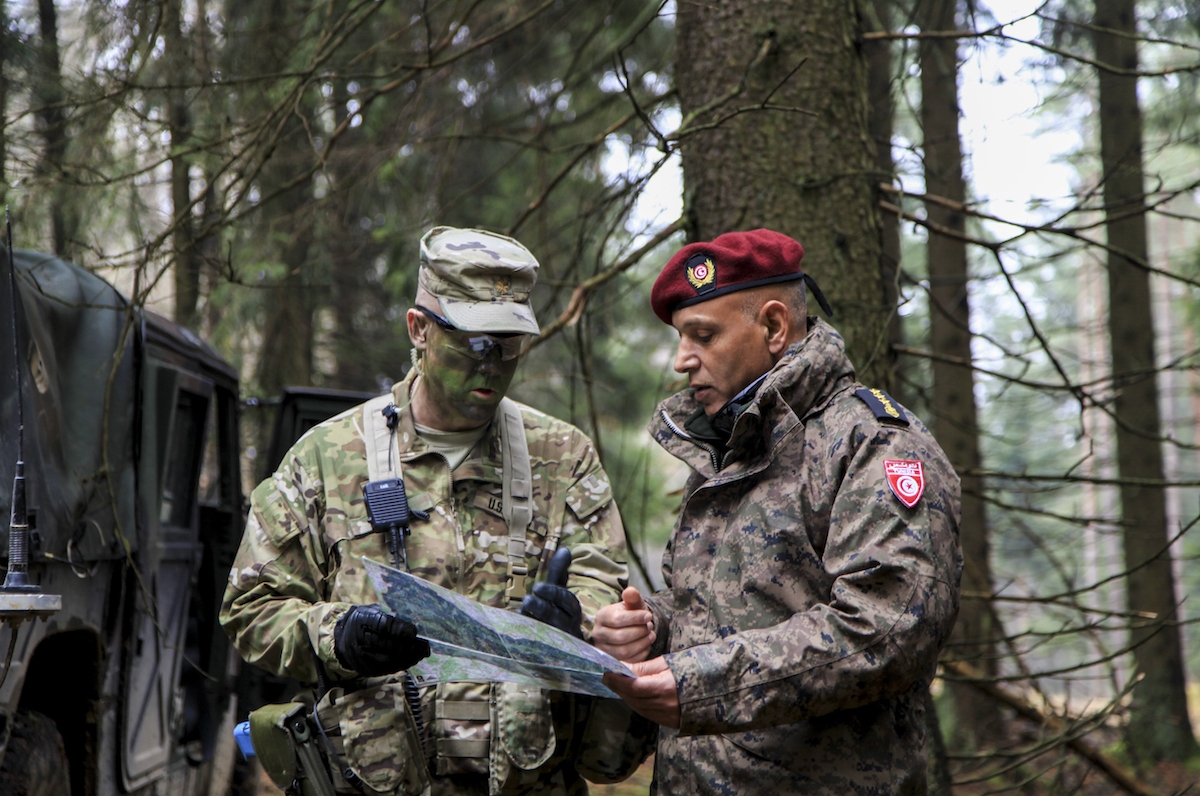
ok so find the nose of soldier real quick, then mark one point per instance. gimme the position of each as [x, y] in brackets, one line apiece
[686, 359]
[491, 362]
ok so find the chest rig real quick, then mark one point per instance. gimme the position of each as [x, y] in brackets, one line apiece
[383, 461]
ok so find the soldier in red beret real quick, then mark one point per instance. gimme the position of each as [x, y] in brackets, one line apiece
[813, 574]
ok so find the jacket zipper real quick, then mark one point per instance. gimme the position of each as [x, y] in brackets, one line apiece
[712, 452]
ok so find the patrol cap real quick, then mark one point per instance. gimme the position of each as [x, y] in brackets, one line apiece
[728, 263]
[481, 280]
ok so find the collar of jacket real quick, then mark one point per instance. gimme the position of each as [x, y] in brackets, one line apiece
[810, 373]
[482, 464]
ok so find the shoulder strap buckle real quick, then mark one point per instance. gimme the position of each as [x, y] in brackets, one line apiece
[516, 495]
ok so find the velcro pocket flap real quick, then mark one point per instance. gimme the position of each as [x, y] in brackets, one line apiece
[589, 495]
[380, 738]
[526, 724]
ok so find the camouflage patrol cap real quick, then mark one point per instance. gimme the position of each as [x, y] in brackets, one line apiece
[482, 280]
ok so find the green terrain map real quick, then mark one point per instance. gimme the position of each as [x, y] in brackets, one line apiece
[471, 641]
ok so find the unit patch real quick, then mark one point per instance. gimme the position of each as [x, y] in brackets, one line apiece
[906, 478]
[882, 405]
[701, 273]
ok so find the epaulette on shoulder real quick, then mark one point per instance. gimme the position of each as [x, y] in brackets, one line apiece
[882, 405]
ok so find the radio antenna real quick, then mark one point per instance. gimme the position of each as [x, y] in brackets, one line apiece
[17, 578]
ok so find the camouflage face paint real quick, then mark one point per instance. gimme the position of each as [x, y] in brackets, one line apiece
[460, 392]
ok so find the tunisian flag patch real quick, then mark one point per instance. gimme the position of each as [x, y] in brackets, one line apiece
[906, 478]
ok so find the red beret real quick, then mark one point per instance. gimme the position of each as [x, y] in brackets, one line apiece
[733, 261]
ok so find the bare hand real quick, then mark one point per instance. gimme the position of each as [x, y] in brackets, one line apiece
[652, 693]
[625, 630]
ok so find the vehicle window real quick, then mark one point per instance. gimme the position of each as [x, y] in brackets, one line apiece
[183, 460]
[211, 483]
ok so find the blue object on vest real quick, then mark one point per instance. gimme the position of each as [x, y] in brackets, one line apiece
[241, 734]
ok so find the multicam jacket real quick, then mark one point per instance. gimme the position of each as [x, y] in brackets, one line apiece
[806, 603]
[299, 570]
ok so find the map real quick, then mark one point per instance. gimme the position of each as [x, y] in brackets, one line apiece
[471, 641]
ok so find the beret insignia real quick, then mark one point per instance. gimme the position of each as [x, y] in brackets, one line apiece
[701, 273]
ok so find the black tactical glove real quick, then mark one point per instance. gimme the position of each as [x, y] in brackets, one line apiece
[550, 602]
[373, 643]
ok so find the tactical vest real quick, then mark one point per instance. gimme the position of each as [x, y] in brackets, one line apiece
[503, 706]
[383, 461]
[606, 742]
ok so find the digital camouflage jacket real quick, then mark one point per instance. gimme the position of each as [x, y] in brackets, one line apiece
[806, 603]
[299, 570]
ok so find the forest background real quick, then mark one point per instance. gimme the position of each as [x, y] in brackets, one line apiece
[262, 173]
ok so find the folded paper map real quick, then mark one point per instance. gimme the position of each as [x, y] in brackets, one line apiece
[472, 641]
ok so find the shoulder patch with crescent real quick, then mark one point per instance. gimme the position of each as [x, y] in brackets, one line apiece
[906, 477]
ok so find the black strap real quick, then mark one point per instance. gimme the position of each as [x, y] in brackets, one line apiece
[816, 291]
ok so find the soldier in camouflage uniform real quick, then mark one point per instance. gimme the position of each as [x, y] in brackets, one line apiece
[298, 584]
[813, 574]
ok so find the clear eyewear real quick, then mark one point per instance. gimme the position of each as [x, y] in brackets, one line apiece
[477, 345]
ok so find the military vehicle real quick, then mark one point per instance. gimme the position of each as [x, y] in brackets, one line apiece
[118, 678]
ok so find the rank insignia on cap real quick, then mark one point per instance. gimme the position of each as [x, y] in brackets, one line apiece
[701, 273]
[906, 478]
[502, 286]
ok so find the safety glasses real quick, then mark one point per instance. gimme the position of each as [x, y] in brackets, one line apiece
[477, 345]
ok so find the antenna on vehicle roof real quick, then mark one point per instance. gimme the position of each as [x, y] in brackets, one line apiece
[20, 599]
[17, 578]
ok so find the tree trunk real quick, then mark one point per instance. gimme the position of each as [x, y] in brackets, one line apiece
[289, 329]
[880, 67]
[1159, 727]
[53, 117]
[207, 234]
[956, 423]
[289, 326]
[347, 254]
[187, 272]
[208, 252]
[807, 170]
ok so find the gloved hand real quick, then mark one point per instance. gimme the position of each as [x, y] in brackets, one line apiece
[550, 602]
[373, 643]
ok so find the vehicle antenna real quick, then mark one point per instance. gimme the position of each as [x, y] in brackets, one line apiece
[17, 578]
